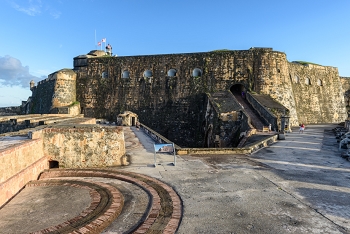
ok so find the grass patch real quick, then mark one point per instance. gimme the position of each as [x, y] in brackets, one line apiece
[75, 103]
[306, 63]
[222, 50]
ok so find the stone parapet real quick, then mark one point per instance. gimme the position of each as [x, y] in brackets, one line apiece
[18, 157]
[248, 149]
[82, 146]
[20, 164]
[265, 113]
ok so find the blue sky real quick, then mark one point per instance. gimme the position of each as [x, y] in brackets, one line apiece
[39, 37]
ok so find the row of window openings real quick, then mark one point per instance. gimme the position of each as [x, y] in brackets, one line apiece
[148, 73]
[195, 73]
[308, 81]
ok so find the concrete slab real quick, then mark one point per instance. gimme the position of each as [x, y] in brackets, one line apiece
[298, 185]
[9, 141]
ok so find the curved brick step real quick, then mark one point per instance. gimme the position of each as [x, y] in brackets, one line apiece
[164, 215]
[107, 203]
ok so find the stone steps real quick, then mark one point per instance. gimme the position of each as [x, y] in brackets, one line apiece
[165, 206]
[254, 118]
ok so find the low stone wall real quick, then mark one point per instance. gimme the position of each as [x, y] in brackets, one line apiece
[205, 151]
[20, 164]
[72, 146]
[12, 110]
[82, 146]
[246, 150]
[268, 117]
[69, 110]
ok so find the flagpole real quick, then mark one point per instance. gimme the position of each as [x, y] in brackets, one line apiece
[95, 40]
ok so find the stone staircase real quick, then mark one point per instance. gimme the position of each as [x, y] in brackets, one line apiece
[254, 118]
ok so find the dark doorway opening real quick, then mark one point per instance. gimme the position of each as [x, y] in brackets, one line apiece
[133, 122]
[53, 164]
[237, 89]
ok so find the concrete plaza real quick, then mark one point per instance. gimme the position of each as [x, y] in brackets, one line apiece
[297, 185]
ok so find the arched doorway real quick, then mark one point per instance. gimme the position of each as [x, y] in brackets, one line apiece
[237, 89]
[53, 164]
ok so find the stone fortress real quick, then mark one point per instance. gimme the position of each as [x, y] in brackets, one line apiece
[211, 101]
[189, 98]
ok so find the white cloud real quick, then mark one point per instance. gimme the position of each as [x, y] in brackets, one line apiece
[34, 8]
[13, 96]
[42, 73]
[12, 73]
[55, 14]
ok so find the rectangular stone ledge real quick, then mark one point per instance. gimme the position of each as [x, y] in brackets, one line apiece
[35, 134]
[206, 151]
[262, 143]
[246, 150]
[82, 128]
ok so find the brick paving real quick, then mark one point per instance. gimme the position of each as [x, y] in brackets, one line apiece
[298, 185]
[165, 204]
[106, 205]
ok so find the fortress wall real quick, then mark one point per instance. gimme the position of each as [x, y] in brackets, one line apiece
[65, 88]
[11, 110]
[83, 146]
[58, 90]
[273, 78]
[20, 164]
[42, 96]
[223, 120]
[320, 101]
[345, 81]
[173, 106]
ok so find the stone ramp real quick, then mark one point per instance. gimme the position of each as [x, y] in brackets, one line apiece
[254, 118]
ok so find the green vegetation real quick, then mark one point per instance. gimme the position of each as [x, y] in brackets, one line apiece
[222, 50]
[306, 63]
[75, 103]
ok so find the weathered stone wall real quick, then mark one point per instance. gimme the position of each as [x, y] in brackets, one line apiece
[174, 105]
[18, 165]
[223, 120]
[65, 88]
[12, 110]
[58, 90]
[318, 93]
[41, 102]
[273, 79]
[271, 113]
[171, 105]
[85, 146]
[345, 81]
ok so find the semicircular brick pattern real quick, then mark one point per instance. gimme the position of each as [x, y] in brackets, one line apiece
[106, 204]
[163, 213]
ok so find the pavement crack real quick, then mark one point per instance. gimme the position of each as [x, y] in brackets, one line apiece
[342, 229]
